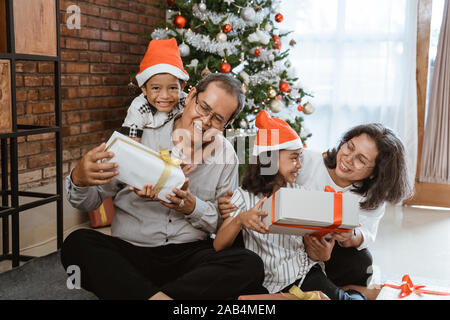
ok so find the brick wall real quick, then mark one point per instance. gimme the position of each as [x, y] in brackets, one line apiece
[97, 61]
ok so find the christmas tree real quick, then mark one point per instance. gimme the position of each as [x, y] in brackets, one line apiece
[242, 38]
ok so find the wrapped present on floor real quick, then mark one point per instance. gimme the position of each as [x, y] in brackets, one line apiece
[103, 215]
[295, 293]
[139, 165]
[300, 212]
[407, 290]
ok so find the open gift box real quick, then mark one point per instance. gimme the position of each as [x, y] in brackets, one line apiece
[139, 165]
[407, 290]
[295, 293]
[300, 212]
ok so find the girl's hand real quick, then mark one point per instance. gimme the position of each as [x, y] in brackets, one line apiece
[146, 192]
[225, 207]
[251, 219]
[318, 249]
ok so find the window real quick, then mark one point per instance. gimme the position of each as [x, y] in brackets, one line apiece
[357, 57]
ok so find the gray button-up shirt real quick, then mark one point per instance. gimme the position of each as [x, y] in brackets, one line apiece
[148, 223]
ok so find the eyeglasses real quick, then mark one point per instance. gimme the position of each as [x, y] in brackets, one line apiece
[217, 120]
[359, 161]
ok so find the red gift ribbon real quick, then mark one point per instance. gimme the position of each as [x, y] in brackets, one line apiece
[407, 287]
[321, 231]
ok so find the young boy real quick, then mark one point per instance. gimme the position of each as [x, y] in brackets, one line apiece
[161, 78]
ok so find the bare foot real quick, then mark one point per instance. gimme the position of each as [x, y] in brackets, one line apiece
[160, 296]
[370, 292]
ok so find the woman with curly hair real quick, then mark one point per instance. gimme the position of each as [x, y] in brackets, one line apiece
[369, 161]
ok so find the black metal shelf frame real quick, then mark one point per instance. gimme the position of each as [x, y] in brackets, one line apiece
[10, 206]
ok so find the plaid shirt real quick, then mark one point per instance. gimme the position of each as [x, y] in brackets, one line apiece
[141, 114]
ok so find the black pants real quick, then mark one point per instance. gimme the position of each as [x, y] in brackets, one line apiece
[349, 266]
[346, 266]
[115, 269]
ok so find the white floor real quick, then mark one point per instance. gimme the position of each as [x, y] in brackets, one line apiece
[414, 241]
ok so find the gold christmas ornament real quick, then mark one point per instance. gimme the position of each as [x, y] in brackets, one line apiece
[205, 72]
[275, 106]
[271, 93]
[244, 88]
[308, 108]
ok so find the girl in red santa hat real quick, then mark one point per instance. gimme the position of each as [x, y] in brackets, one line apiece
[277, 150]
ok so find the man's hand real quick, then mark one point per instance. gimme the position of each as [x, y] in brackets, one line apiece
[252, 219]
[225, 207]
[90, 172]
[183, 201]
[318, 249]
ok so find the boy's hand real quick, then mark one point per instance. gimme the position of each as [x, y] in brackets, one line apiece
[188, 168]
[146, 192]
[225, 207]
[251, 219]
[318, 249]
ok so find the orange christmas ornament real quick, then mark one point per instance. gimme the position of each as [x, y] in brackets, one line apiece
[227, 28]
[300, 108]
[257, 52]
[284, 87]
[179, 22]
[279, 17]
[225, 67]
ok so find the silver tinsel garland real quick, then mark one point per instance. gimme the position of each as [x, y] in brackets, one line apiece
[200, 41]
[236, 22]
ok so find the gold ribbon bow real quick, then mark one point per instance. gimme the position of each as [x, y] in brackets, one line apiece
[301, 295]
[165, 156]
[170, 162]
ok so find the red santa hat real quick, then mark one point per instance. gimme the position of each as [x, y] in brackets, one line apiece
[162, 56]
[274, 134]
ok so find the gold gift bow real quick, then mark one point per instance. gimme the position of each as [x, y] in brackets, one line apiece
[163, 155]
[103, 217]
[300, 295]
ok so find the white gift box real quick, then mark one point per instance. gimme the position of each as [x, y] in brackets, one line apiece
[300, 212]
[139, 165]
[406, 290]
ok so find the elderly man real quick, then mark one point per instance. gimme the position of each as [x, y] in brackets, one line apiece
[164, 250]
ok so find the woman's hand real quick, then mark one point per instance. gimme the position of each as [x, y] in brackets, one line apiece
[342, 236]
[352, 238]
[251, 219]
[183, 201]
[225, 207]
[318, 249]
[146, 192]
